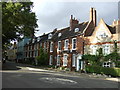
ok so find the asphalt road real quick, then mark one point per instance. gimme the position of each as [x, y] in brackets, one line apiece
[18, 76]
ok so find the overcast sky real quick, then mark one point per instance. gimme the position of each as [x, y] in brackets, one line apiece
[53, 15]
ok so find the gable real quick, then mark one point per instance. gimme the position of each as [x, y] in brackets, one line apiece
[101, 33]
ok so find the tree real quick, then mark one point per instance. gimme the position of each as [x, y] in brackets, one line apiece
[17, 19]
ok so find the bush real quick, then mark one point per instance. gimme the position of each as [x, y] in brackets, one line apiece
[43, 58]
[117, 63]
[103, 70]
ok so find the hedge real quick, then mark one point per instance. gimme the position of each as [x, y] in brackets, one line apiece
[103, 70]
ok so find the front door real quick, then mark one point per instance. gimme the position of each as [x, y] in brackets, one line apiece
[79, 64]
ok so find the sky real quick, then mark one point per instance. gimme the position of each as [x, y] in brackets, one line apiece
[56, 14]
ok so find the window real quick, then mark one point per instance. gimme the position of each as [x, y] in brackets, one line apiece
[37, 53]
[51, 60]
[34, 53]
[73, 60]
[58, 60]
[74, 43]
[51, 47]
[94, 49]
[59, 34]
[30, 54]
[106, 64]
[76, 29]
[59, 45]
[34, 46]
[65, 60]
[50, 36]
[66, 44]
[27, 54]
[106, 49]
[31, 47]
[101, 34]
[33, 40]
[41, 44]
[37, 45]
[38, 39]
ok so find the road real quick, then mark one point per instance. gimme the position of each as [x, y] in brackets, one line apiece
[19, 76]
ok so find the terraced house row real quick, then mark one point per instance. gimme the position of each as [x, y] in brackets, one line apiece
[66, 46]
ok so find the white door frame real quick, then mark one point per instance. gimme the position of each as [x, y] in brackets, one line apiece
[79, 57]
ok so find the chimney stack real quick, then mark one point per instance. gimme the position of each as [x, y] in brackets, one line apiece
[73, 22]
[93, 16]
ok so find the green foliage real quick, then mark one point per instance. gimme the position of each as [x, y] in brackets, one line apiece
[17, 20]
[43, 58]
[92, 59]
[103, 70]
[100, 52]
[112, 56]
[117, 63]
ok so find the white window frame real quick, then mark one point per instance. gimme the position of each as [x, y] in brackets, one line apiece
[59, 34]
[65, 44]
[51, 60]
[37, 45]
[58, 60]
[40, 44]
[65, 60]
[33, 53]
[33, 40]
[50, 36]
[94, 49]
[76, 30]
[59, 46]
[106, 64]
[74, 60]
[106, 49]
[31, 47]
[51, 46]
[73, 43]
[38, 39]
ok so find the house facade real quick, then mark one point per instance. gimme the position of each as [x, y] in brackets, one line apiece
[12, 52]
[21, 49]
[66, 46]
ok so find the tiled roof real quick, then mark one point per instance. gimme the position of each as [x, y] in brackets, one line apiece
[89, 29]
[112, 29]
[66, 32]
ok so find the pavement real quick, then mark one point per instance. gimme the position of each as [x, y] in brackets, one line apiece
[53, 70]
[73, 73]
[17, 75]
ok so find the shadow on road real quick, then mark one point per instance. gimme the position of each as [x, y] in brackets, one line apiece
[10, 66]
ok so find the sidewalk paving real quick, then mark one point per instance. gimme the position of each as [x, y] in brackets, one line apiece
[73, 73]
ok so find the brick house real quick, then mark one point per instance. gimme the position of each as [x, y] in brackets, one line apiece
[32, 48]
[66, 46]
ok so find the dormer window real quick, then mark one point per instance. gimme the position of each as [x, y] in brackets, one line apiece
[59, 34]
[28, 42]
[33, 40]
[76, 29]
[38, 39]
[50, 36]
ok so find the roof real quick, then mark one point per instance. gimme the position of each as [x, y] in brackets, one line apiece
[66, 32]
[89, 29]
[112, 29]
